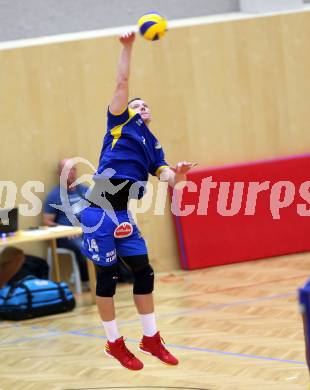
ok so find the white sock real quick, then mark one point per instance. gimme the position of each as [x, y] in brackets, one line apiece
[149, 324]
[111, 330]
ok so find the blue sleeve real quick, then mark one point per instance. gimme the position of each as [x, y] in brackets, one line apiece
[52, 198]
[159, 160]
[116, 120]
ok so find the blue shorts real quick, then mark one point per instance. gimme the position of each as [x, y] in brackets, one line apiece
[113, 234]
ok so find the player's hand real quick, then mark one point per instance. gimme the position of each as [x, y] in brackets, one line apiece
[128, 38]
[183, 167]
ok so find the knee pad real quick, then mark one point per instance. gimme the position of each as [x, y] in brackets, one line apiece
[144, 280]
[106, 281]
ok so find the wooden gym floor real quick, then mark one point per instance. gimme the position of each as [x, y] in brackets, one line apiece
[235, 327]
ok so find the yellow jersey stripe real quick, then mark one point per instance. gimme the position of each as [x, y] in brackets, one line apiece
[116, 132]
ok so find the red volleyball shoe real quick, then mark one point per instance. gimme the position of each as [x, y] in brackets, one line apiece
[155, 346]
[120, 352]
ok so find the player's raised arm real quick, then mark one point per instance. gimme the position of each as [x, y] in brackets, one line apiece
[120, 97]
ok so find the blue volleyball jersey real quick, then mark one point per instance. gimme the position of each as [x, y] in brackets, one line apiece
[130, 148]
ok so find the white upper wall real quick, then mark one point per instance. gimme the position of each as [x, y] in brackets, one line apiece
[262, 6]
[20, 19]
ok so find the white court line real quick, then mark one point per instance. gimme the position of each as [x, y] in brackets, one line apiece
[195, 21]
[292, 378]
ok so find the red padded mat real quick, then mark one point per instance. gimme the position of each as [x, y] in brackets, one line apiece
[276, 228]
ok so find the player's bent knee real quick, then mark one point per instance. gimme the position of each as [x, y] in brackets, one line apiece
[144, 280]
[106, 281]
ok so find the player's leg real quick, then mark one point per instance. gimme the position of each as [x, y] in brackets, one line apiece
[105, 290]
[304, 303]
[132, 249]
[151, 342]
[99, 248]
[143, 285]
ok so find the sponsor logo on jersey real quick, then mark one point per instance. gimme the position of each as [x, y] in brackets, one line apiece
[95, 257]
[123, 230]
[110, 256]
